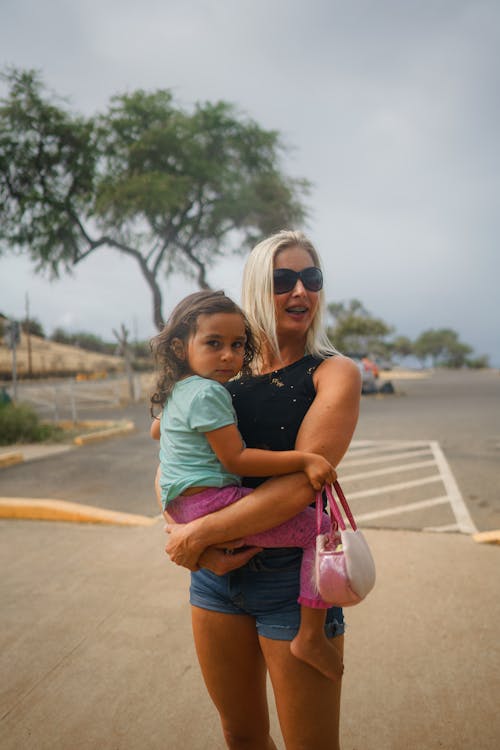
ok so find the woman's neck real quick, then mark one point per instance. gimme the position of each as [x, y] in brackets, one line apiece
[290, 352]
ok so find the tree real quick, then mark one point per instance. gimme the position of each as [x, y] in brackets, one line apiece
[355, 330]
[175, 190]
[478, 363]
[32, 325]
[443, 346]
[84, 340]
[402, 346]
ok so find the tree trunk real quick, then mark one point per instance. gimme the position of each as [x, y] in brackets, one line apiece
[155, 290]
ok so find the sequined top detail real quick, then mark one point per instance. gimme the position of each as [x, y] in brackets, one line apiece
[271, 407]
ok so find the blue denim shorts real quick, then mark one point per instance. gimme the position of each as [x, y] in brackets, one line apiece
[266, 588]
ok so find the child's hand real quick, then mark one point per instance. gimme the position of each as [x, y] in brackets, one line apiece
[319, 471]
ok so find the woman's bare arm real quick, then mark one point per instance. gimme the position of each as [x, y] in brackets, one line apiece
[329, 424]
[327, 429]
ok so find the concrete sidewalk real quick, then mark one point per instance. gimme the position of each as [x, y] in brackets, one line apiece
[97, 651]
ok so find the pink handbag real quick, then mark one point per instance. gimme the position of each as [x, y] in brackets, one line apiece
[344, 567]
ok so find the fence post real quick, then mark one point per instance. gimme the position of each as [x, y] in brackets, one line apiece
[72, 402]
[56, 410]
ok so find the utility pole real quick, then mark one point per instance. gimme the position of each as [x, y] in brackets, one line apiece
[12, 338]
[28, 335]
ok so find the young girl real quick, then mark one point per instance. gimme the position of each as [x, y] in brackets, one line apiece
[206, 342]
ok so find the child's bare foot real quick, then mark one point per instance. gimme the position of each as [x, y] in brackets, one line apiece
[319, 653]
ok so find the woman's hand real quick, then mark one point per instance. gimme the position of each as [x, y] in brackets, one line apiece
[183, 549]
[182, 546]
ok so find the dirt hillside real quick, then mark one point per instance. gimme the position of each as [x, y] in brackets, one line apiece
[49, 359]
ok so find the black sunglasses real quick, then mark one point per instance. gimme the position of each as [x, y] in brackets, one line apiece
[285, 279]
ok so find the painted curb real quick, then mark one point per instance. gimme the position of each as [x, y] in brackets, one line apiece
[487, 537]
[94, 437]
[11, 459]
[35, 509]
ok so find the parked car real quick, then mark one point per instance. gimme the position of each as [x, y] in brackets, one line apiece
[370, 364]
[383, 364]
[368, 379]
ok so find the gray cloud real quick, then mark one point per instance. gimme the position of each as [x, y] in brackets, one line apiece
[392, 109]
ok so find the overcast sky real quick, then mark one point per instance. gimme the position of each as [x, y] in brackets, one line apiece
[392, 107]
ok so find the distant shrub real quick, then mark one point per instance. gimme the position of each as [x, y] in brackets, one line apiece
[33, 325]
[19, 423]
[478, 363]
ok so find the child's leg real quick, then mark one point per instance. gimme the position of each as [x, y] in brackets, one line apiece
[299, 531]
[186, 508]
[312, 646]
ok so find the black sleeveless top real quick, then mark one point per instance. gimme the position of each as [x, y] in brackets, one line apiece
[271, 407]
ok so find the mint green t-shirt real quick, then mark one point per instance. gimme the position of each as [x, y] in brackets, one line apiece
[195, 406]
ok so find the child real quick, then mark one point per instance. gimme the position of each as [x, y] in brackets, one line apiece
[206, 342]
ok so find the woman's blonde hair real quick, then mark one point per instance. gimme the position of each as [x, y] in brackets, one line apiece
[258, 294]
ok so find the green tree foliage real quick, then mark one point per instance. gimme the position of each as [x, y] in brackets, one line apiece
[402, 346]
[88, 341]
[175, 190]
[355, 330]
[442, 346]
[33, 325]
[478, 363]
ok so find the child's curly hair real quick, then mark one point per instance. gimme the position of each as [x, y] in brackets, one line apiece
[181, 325]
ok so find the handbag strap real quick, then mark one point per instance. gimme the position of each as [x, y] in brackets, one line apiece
[345, 505]
[336, 513]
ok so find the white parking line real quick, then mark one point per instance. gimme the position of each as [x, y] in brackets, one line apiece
[371, 452]
[402, 509]
[347, 462]
[441, 529]
[394, 487]
[464, 521]
[389, 470]
[383, 445]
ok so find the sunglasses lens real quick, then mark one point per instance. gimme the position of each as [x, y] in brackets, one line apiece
[285, 279]
[312, 279]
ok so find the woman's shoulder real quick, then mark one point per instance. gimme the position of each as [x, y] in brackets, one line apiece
[337, 368]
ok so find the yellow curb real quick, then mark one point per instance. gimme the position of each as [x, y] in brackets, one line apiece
[87, 424]
[94, 437]
[61, 510]
[10, 459]
[487, 537]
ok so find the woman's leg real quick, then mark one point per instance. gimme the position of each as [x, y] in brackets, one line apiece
[308, 703]
[234, 671]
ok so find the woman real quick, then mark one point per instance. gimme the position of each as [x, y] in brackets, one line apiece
[245, 616]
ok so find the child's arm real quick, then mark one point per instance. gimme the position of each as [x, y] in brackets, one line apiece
[228, 446]
[155, 428]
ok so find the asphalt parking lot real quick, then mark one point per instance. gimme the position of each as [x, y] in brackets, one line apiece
[446, 426]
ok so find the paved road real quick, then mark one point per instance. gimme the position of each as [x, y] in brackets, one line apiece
[455, 415]
[459, 410]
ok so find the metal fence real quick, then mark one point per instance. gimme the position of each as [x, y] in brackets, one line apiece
[68, 399]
